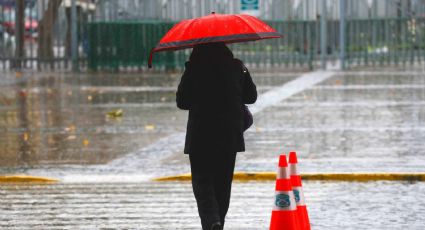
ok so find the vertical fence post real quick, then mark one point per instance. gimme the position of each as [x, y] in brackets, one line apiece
[19, 34]
[323, 35]
[342, 33]
[308, 39]
[74, 36]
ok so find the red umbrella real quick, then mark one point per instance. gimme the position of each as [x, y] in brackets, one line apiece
[228, 28]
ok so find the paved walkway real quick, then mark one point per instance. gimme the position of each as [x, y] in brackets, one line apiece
[156, 205]
[351, 122]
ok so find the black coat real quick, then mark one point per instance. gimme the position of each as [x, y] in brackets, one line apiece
[214, 96]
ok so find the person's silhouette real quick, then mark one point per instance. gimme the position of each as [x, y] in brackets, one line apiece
[214, 88]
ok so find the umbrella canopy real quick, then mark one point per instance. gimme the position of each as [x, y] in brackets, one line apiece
[228, 28]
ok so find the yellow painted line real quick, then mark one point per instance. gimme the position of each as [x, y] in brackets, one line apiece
[26, 179]
[271, 176]
[365, 176]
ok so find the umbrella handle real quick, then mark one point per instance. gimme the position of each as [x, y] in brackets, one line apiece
[150, 58]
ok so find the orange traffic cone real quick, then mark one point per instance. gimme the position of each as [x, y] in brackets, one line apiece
[284, 210]
[302, 214]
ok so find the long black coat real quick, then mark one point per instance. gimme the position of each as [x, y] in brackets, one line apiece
[214, 96]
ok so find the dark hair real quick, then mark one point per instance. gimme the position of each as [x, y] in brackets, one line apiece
[211, 53]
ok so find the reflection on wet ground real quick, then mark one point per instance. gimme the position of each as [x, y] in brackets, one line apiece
[367, 121]
[350, 122]
[61, 118]
[57, 125]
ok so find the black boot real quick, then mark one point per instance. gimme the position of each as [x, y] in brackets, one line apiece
[216, 226]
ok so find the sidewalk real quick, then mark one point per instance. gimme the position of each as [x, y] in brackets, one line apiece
[350, 122]
[166, 205]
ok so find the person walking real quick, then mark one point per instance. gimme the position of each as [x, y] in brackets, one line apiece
[214, 87]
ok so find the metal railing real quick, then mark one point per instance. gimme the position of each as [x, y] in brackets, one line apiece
[126, 45]
[117, 35]
[45, 41]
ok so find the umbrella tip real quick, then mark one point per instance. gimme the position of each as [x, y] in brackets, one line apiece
[213, 12]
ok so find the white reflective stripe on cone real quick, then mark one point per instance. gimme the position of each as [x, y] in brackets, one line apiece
[293, 169]
[299, 195]
[284, 201]
[283, 173]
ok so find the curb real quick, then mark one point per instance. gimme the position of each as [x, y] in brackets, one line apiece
[271, 176]
[255, 176]
[26, 179]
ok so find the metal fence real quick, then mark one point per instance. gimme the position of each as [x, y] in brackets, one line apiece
[37, 34]
[175, 10]
[389, 41]
[117, 35]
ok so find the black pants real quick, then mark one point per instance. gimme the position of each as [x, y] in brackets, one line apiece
[212, 177]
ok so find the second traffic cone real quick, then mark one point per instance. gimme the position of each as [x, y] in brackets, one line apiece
[302, 213]
[284, 209]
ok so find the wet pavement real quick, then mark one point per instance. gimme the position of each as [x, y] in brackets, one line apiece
[350, 122]
[57, 125]
[159, 205]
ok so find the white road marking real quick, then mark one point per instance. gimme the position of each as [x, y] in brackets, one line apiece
[289, 89]
[168, 145]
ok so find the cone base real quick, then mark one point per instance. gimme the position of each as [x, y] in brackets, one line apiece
[284, 220]
[303, 220]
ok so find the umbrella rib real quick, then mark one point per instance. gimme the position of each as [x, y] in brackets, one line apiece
[243, 19]
[190, 25]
